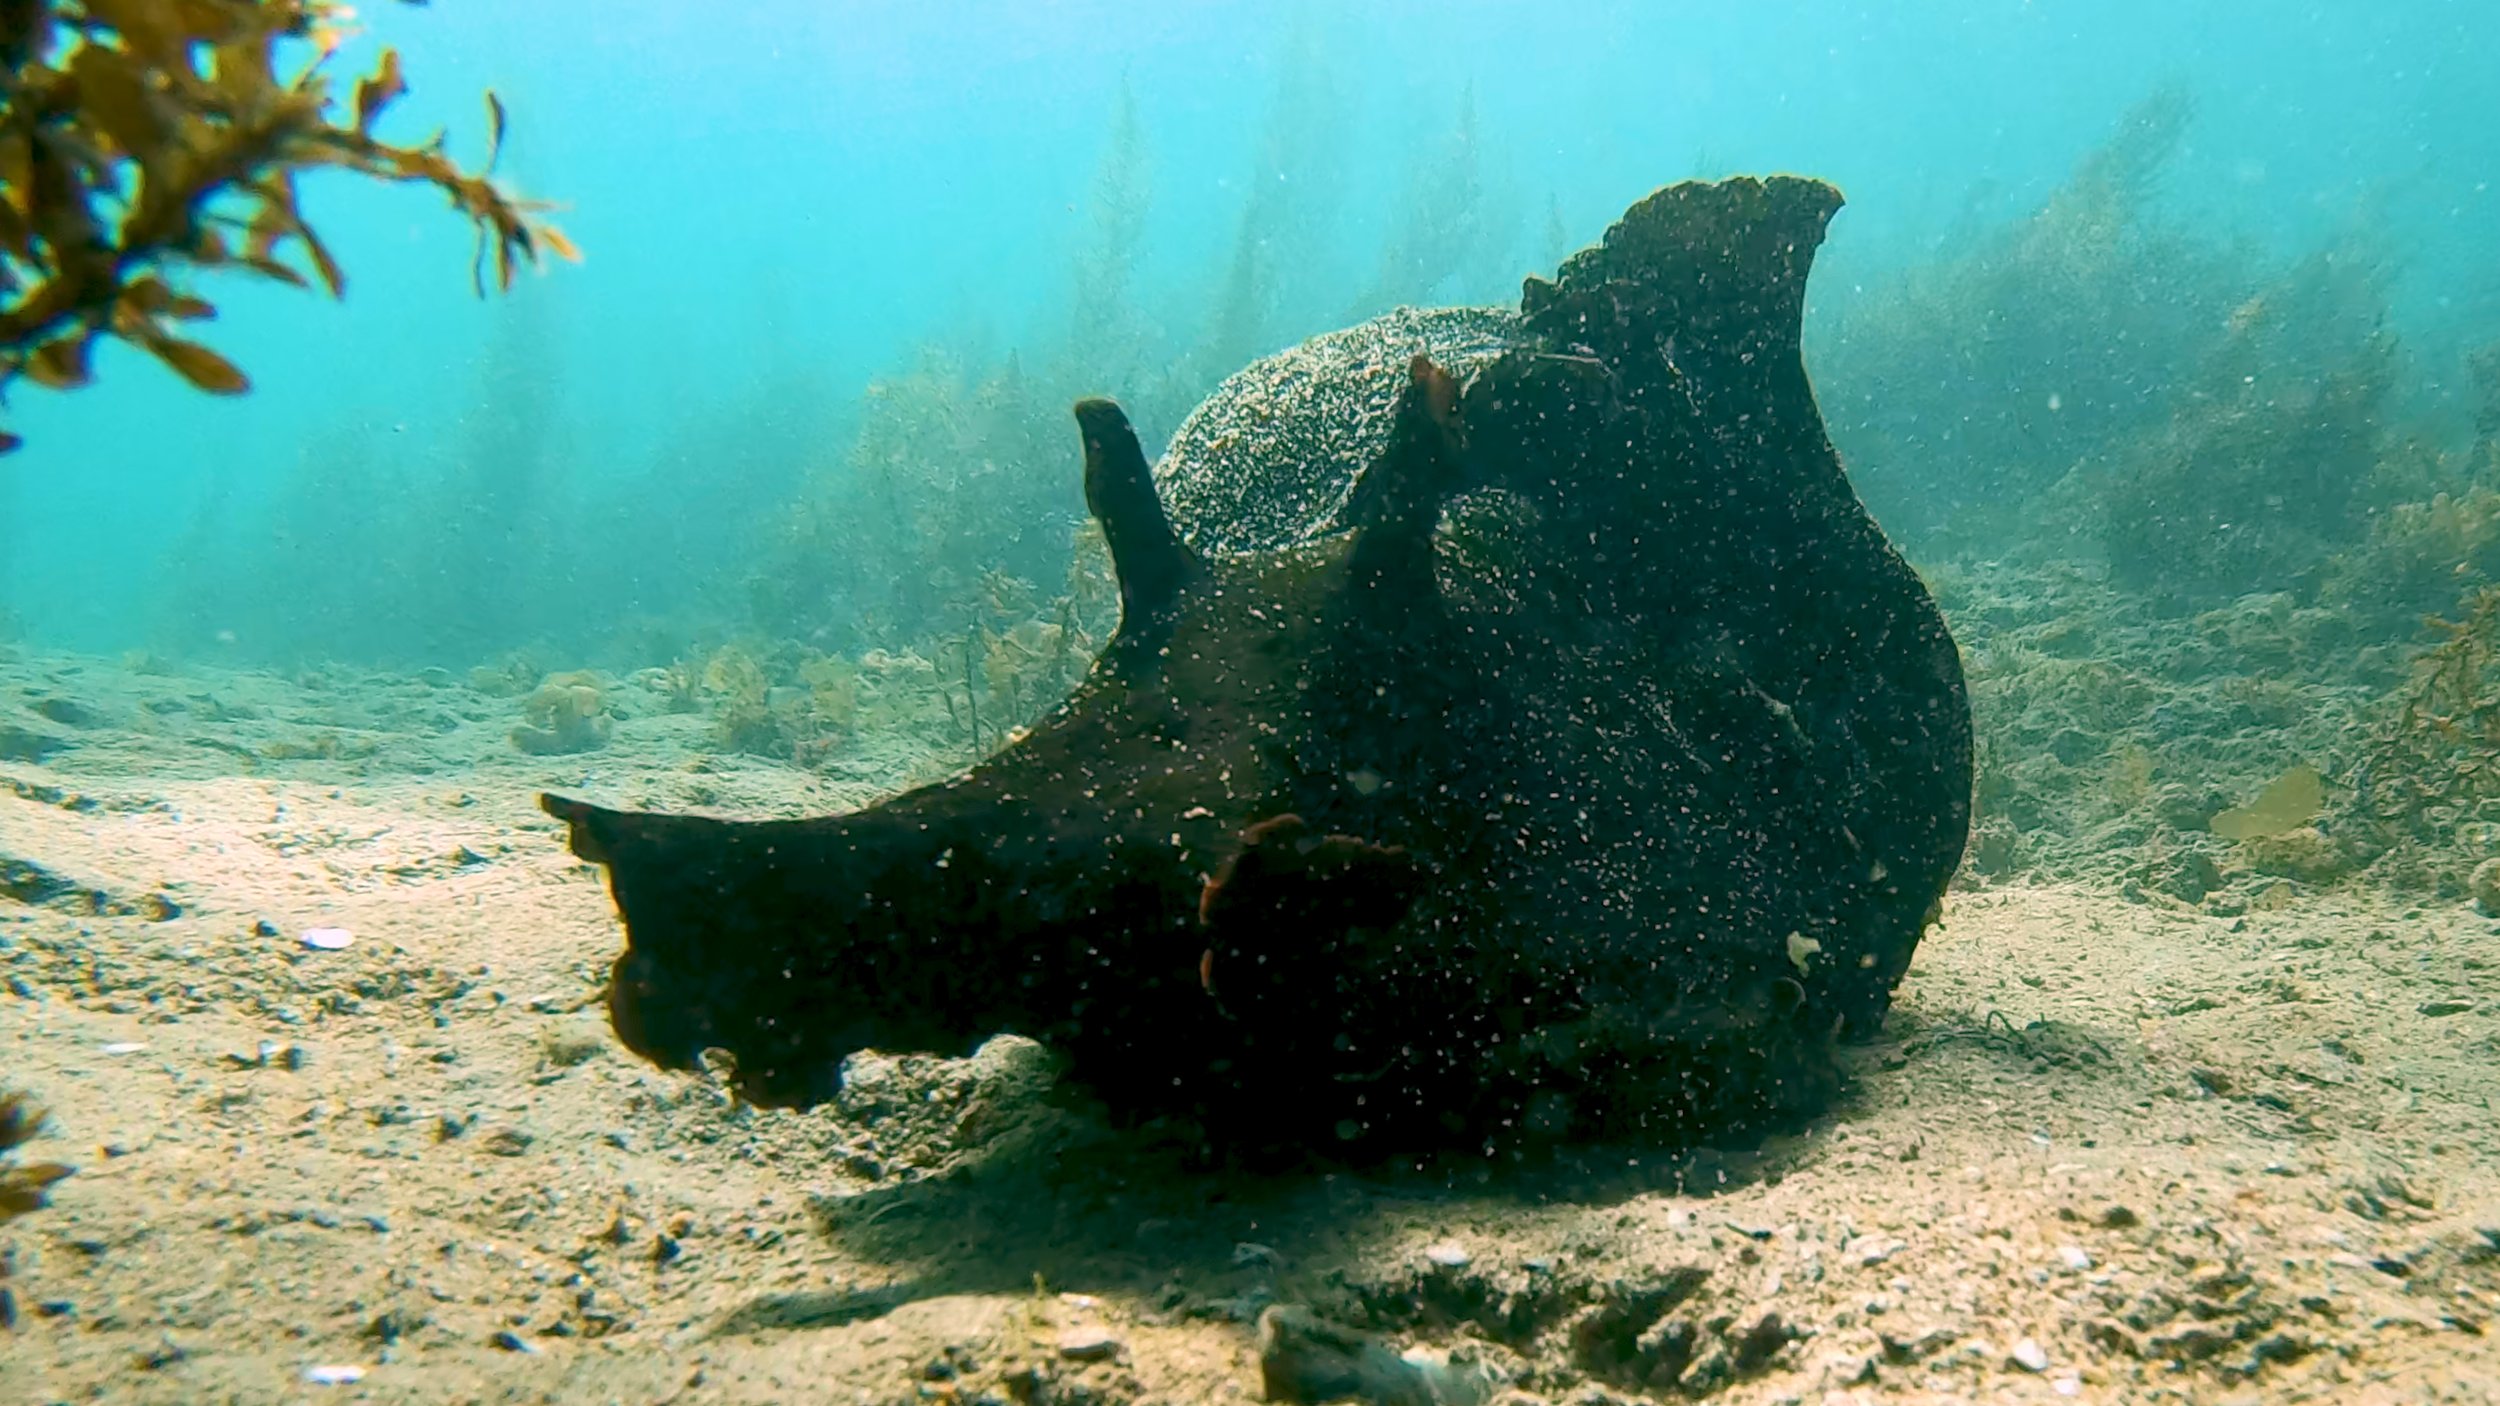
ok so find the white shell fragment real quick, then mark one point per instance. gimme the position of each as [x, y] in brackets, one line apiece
[328, 939]
[2030, 1356]
[1801, 949]
[123, 1047]
[1449, 1254]
[334, 1375]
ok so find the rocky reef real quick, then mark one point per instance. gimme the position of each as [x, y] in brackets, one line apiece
[1524, 739]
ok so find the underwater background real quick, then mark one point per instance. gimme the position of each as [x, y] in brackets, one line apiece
[2162, 339]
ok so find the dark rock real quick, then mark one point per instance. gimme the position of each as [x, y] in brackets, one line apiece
[1994, 849]
[2192, 876]
[1630, 1337]
[32, 884]
[2074, 746]
[19, 744]
[1900, 1351]
[1760, 1341]
[508, 1142]
[2186, 808]
[1088, 1345]
[69, 712]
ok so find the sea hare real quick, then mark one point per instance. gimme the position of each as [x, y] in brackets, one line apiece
[1568, 755]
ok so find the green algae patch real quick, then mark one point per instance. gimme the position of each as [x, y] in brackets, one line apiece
[2287, 803]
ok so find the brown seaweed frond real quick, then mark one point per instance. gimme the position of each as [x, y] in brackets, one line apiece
[2438, 749]
[142, 142]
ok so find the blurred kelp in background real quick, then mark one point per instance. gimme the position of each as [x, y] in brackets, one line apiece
[952, 475]
[2274, 438]
[460, 534]
[1265, 297]
[1961, 389]
[2434, 758]
[1451, 240]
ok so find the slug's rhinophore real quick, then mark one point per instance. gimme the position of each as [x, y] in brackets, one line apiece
[1517, 728]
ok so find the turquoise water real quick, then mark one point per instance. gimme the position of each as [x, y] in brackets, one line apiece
[781, 207]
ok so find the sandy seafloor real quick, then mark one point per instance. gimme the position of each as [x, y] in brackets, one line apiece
[2110, 1149]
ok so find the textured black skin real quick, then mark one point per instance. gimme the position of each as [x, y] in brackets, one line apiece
[1554, 823]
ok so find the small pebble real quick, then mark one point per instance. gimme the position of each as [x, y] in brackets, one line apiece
[1449, 1254]
[2030, 1356]
[124, 1047]
[334, 1375]
[511, 1341]
[2074, 1257]
[1088, 1345]
[328, 939]
[573, 1043]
